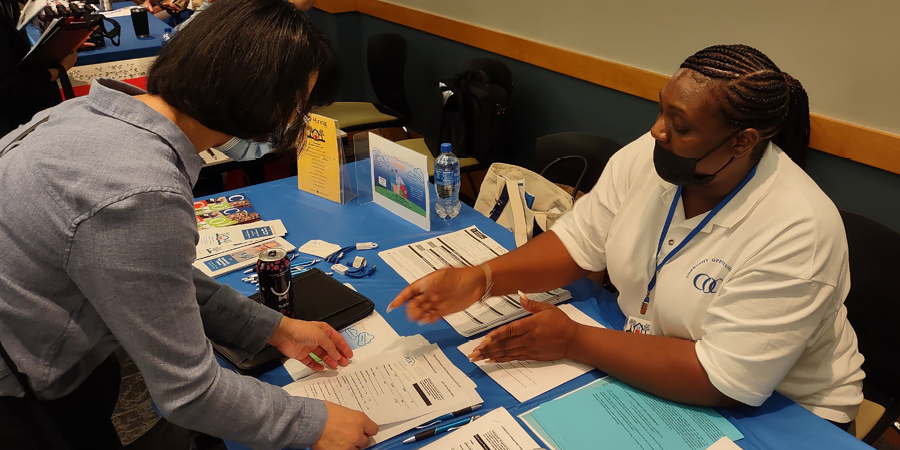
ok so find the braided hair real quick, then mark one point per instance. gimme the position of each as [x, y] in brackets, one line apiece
[758, 95]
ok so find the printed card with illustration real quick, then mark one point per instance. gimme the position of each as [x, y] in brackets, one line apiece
[224, 211]
[239, 257]
[400, 181]
[220, 240]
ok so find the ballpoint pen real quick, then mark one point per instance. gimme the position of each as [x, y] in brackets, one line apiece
[212, 154]
[461, 412]
[438, 430]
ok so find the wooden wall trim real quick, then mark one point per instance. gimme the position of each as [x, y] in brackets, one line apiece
[336, 6]
[864, 145]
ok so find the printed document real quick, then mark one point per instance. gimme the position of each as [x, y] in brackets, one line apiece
[368, 337]
[388, 431]
[497, 430]
[397, 387]
[214, 241]
[528, 379]
[465, 248]
[239, 257]
[626, 418]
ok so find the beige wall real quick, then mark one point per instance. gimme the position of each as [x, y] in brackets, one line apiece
[846, 53]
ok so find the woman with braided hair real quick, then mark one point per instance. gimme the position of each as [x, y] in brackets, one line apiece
[731, 264]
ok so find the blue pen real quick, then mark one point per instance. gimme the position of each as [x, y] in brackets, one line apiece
[438, 430]
[451, 415]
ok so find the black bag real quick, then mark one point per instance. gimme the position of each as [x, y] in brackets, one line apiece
[475, 116]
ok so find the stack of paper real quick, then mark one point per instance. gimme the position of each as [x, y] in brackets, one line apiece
[465, 248]
[239, 257]
[411, 383]
[497, 311]
[497, 430]
[369, 337]
[528, 379]
[214, 241]
[625, 418]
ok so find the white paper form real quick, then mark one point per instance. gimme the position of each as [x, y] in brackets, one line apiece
[469, 397]
[465, 248]
[528, 379]
[388, 431]
[370, 336]
[398, 387]
[31, 9]
[496, 430]
[214, 241]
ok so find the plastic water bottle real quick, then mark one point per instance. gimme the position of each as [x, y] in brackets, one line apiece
[167, 36]
[446, 181]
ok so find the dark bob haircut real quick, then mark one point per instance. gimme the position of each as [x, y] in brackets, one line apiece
[242, 68]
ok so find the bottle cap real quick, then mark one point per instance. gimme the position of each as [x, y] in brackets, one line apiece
[446, 148]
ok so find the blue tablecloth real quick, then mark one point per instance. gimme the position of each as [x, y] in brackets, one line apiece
[130, 46]
[778, 424]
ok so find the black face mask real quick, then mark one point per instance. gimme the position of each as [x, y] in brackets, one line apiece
[681, 170]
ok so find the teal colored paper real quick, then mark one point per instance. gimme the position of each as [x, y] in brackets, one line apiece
[624, 418]
[539, 430]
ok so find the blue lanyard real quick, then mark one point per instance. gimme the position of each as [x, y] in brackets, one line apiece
[694, 232]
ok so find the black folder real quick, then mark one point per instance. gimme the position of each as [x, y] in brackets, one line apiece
[62, 36]
[317, 298]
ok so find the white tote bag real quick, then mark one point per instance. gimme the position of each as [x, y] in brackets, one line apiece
[507, 192]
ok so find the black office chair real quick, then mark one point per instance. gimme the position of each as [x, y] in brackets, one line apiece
[429, 145]
[498, 72]
[574, 161]
[873, 309]
[386, 61]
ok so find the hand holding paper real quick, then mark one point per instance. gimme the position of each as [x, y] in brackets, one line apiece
[298, 339]
[398, 387]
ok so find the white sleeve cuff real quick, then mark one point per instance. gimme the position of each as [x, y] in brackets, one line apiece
[574, 247]
[723, 382]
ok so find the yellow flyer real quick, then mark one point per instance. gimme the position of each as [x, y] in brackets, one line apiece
[319, 165]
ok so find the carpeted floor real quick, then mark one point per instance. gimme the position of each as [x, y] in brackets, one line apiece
[883, 444]
[134, 416]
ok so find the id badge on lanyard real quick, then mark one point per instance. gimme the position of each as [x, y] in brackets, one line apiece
[640, 324]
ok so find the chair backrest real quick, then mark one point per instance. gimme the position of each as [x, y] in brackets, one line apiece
[498, 72]
[873, 307]
[573, 159]
[386, 60]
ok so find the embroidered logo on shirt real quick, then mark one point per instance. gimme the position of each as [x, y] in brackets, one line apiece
[706, 284]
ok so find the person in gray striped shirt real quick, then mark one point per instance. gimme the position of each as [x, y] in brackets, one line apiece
[98, 236]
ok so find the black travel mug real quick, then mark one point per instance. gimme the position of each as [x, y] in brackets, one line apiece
[140, 22]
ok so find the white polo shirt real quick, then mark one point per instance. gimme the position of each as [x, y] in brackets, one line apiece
[761, 288]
